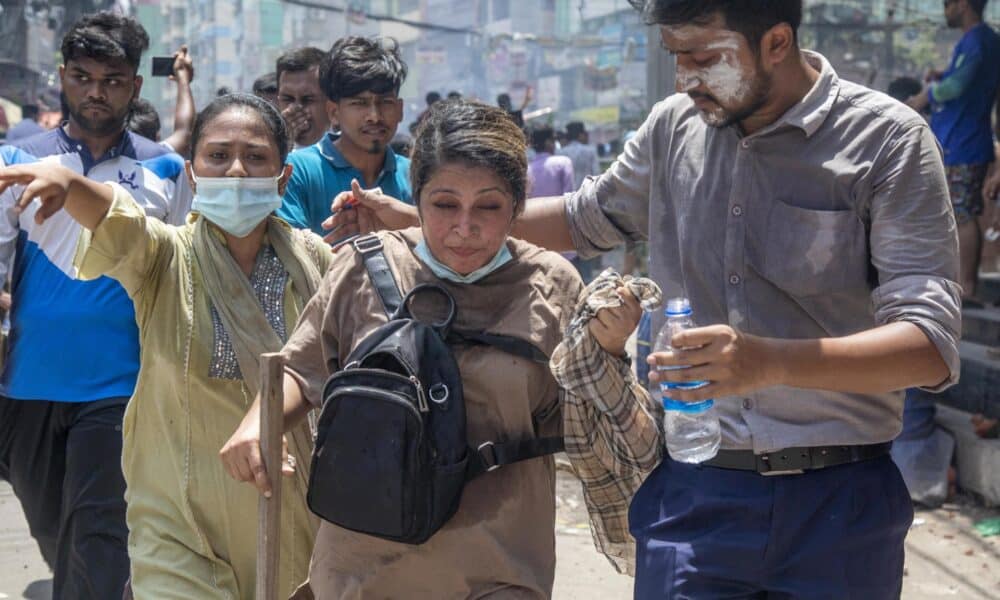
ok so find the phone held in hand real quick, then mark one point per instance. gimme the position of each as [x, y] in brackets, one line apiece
[163, 66]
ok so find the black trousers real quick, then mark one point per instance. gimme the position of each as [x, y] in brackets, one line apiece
[63, 460]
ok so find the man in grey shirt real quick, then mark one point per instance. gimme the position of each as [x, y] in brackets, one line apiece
[808, 220]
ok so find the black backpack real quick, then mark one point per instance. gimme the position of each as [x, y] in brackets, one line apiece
[391, 456]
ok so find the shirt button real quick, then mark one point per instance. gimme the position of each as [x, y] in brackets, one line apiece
[734, 279]
[737, 211]
[747, 404]
[746, 143]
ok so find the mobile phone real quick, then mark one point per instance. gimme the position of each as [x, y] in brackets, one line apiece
[163, 66]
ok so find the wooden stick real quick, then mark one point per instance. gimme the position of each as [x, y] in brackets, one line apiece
[269, 509]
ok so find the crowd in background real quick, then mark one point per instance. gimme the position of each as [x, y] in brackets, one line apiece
[324, 124]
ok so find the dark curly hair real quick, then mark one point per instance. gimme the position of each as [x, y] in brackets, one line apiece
[472, 134]
[750, 18]
[106, 36]
[268, 114]
[356, 65]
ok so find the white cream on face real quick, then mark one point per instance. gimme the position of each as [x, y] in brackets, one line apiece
[726, 79]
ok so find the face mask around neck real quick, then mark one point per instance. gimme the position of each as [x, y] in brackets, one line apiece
[236, 204]
[445, 272]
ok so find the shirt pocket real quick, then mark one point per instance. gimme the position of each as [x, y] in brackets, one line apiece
[810, 252]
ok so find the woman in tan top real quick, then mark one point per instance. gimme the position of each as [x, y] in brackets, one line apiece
[468, 174]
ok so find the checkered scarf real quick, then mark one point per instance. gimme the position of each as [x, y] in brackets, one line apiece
[612, 438]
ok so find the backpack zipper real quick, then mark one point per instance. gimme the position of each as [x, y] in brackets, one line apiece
[421, 399]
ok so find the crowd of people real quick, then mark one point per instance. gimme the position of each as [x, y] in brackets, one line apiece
[815, 225]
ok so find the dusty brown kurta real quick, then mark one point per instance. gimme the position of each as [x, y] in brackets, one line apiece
[501, 542]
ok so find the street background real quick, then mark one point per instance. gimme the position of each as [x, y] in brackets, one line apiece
[587, 60]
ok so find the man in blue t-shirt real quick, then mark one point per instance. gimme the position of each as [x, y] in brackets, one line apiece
[73, 357]
[361, 80]
[961, 99]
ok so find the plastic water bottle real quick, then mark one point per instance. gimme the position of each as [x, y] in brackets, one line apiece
[691, 428]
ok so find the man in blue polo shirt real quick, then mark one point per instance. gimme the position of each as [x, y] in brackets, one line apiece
[961, 99]
[361, 80]
[74, 345]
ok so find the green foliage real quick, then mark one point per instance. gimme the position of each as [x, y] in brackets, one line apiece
[916, 48]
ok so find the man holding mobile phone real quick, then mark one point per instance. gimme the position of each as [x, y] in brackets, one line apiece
[146, 122]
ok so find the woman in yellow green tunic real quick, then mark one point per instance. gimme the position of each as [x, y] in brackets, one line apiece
[210, 297]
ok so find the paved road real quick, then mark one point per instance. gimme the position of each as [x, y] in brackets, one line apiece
[946, 558]
[23, 573]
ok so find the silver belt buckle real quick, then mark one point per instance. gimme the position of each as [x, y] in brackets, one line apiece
[764, 458]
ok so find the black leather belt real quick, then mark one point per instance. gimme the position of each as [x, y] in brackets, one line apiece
[789, 461]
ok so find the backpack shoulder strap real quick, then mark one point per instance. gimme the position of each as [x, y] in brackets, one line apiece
[370, 248]
[508, 344]
[490, 456]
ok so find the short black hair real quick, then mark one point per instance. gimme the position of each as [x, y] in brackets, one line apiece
[106, 36]
[357, 64]
[978, 6]
[266, 84]
[750, 18]
[902, 88]
[454, 95]
[268, 114]
[540, 136]
[574, 129]
[143, 119]
[29, 111]
[432, 97]
[298, 60]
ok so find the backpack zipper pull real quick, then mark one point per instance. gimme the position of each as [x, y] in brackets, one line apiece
[421, 399]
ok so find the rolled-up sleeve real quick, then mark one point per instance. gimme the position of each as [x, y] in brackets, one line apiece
[914, 245]
[612, 209]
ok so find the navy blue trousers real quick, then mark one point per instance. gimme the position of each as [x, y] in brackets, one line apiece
[834, 533]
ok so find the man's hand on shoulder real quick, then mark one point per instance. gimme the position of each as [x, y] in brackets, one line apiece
[362, 211]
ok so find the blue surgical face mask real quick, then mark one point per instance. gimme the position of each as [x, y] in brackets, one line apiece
[445, 272]
[236, 204]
